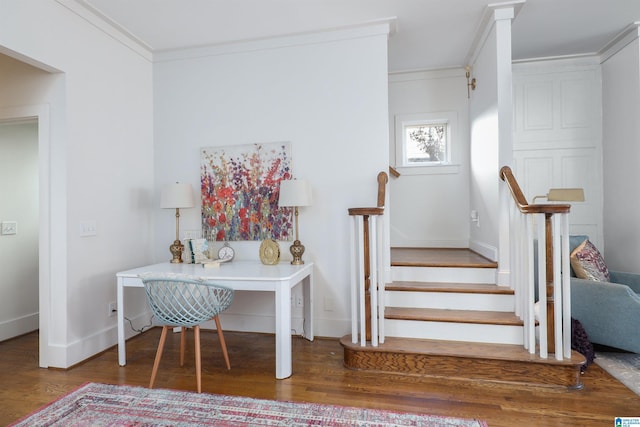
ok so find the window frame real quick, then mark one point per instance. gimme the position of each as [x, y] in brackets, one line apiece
[402, 121]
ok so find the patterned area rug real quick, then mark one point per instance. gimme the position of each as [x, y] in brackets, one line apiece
[625, 367]
[112, 405]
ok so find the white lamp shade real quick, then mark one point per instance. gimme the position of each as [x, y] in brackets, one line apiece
[296, 192]
[177, 196]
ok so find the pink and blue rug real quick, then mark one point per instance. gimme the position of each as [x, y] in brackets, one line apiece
[99, 405]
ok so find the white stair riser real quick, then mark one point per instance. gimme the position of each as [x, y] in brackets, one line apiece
[440, 274]
[450, 300]
[470, 332]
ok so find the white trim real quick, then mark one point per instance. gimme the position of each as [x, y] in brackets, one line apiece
[416, 75]
[438, 169]
[493, 12]
[450, 118]
[375, 28]
[578, 59]
[105, 24]
[625, 37]
[558, 63]
[487, 251]
[41, 113]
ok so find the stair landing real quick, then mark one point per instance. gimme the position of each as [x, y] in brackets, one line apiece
[500, 363]
[439, 257]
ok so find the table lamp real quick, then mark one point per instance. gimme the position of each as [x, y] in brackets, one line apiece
[176, 196]
[295, 193]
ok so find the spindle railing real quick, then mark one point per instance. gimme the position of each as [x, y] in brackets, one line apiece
[547, 227]
[367, 270]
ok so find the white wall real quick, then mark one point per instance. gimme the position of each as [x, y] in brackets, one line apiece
[19, 252]
[431, 208]
[101, 146]
[326, 93]
[621, 133]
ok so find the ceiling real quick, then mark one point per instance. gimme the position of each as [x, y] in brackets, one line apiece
[430, 34]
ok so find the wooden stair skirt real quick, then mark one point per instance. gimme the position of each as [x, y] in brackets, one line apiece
[501, 363]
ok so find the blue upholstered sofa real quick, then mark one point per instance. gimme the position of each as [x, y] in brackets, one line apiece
[608, 311]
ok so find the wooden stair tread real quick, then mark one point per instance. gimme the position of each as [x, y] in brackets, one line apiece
[467, 288]
[439, 257]
[457, 316]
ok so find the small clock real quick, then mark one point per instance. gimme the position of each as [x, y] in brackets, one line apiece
[226, 252]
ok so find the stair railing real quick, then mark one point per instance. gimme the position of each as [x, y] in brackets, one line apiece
[367, 270]
[547, 226]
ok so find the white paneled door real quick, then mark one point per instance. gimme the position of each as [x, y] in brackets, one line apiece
[558, 136]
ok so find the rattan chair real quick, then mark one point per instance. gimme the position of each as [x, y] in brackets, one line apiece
[186, 302]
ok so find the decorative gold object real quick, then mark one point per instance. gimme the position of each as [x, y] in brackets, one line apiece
[269, 252]
[176, 196]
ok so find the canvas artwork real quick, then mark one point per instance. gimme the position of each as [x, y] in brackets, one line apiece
[240, 188]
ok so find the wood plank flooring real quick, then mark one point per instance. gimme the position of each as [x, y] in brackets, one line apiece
[319, 376]
[439, 257]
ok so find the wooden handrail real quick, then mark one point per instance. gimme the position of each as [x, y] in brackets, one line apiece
[394, 172]
[548, 210]
[383, 178]
[521, 201]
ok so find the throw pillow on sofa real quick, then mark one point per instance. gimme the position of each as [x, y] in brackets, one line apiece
[588, 263]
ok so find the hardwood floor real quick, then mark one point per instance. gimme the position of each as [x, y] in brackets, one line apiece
[439, 257]
[319, 376]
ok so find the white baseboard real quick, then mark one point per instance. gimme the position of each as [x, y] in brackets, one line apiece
[88, 346]
[19, 326]
[82, 348]
[487, 251]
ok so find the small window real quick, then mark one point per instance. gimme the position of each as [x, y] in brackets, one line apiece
[424, 139]
[425, 144]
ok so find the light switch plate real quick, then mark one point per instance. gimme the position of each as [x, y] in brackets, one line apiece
[9, 227]
[88, 228]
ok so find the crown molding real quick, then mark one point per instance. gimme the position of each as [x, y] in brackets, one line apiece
[385, 26]
[626, 36]
[99, 20]
[492, 13]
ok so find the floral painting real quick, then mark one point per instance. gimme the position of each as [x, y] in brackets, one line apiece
[240, 188]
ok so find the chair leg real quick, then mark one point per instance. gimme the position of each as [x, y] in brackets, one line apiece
[156, 363]
[196, 332]
[183, 340]
[223, 344]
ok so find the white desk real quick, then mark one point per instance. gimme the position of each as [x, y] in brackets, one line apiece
[240, 276]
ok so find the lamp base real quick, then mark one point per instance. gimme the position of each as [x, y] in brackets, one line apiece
[176, 250]
[297, 249]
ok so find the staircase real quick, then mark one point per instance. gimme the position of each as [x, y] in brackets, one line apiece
[446, 317]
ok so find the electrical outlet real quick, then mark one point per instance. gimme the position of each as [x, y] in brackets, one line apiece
[299, 301]
[113, 309]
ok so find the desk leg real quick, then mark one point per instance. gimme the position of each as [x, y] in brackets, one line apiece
[307, 292]
[283, 330]
[122, 351]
